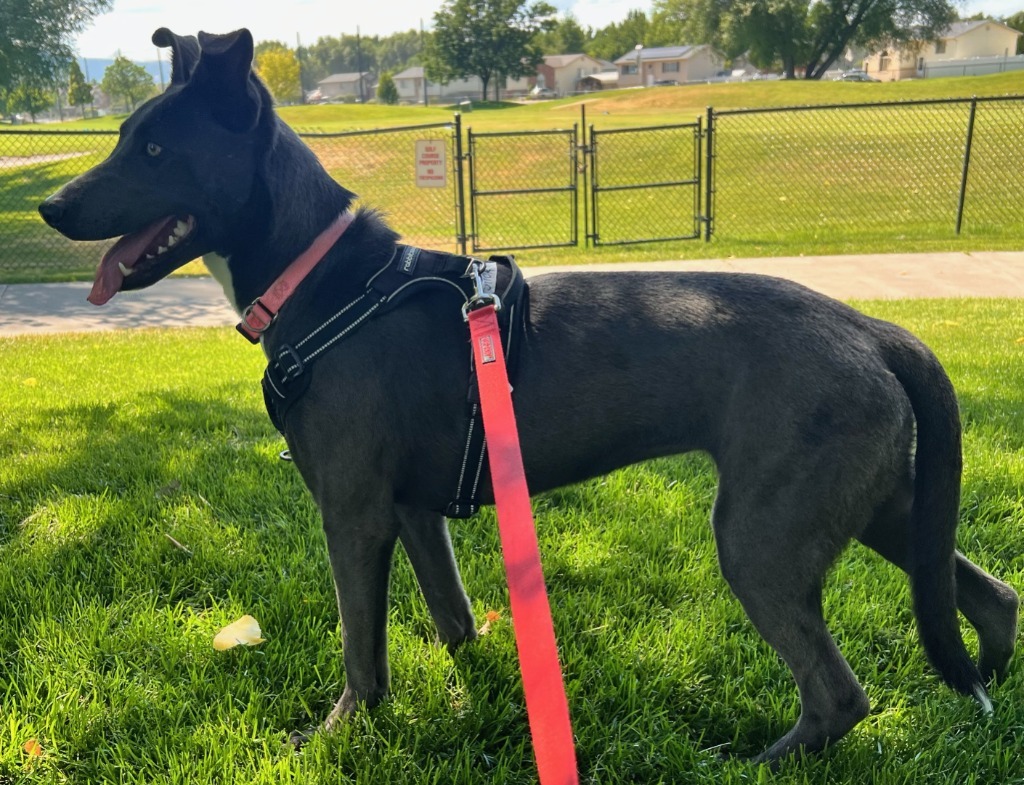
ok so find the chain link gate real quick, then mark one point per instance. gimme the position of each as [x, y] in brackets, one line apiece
[523, 189]
[645, 184]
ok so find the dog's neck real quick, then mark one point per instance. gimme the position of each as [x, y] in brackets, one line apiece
[295, 200]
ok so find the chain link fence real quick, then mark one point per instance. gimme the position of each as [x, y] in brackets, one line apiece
[901, 171]
[645, 184]
[523, 189]
[911, 170]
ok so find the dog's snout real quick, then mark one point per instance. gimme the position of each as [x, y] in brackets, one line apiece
[52, 211]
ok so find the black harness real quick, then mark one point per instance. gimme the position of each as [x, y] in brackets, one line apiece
[410, 270]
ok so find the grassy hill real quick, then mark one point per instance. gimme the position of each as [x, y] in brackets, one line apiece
[633, 107]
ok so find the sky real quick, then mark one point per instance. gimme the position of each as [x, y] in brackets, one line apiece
[128, 27]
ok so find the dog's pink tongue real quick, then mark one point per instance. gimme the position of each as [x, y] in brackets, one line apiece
[127, 251]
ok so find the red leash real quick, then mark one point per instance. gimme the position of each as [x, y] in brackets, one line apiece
[546, 704]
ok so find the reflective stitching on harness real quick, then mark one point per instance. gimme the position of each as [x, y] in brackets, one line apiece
[338, 315]
[415, 281]
[346, 331]
[269, 377]
[479, 468]
[465, 453]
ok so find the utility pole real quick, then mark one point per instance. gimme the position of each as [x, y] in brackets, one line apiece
[302, 90]
[423, 48]
[160, 64]
[359, 67]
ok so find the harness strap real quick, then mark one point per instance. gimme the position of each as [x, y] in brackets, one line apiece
[546, 705]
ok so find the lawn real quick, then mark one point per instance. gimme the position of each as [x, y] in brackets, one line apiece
[824, 181]
[143, 507]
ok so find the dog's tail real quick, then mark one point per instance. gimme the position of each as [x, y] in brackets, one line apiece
[935, 512]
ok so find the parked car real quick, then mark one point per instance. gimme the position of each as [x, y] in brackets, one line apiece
[855, 76]
[542, 92]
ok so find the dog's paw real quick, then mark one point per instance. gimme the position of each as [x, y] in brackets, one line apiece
[298, 738]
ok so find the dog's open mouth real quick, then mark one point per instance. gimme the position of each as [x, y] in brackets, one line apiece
[158, 248]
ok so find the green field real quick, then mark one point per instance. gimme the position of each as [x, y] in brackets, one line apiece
[143, 507]
[812, 182]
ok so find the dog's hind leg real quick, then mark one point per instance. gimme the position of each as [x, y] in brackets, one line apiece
[775, 567]
[426, 541]
[988, 604]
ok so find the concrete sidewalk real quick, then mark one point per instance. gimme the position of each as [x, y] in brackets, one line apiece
[177, 302]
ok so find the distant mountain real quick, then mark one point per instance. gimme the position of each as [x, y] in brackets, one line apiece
[94, 67]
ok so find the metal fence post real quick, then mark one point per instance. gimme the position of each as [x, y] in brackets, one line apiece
[967, 164]
[709, 178]
[460, 197]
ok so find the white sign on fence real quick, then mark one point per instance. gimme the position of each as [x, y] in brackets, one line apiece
[431, 171]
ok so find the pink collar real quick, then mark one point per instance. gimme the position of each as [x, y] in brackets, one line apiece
[257, 317]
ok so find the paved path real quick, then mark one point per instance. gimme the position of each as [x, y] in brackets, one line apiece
[49, 308]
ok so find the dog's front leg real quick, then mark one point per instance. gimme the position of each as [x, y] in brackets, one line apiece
[360, 545]
[425, 537]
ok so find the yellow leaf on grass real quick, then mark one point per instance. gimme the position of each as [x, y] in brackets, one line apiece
[30, 382]
[492, 617]
[245, 632]
[32, 748]
[1020, 340]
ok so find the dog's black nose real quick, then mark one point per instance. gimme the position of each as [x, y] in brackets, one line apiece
[52, 211]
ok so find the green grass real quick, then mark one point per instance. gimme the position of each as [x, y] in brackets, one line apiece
[822, 182]
[112, 443]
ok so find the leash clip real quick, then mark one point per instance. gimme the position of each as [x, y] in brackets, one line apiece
[481, 296]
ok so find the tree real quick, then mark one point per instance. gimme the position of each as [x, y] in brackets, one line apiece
[126, 80]
[279, 68]
[1017, 23]
[490, 39]
[26, 97]
[346, 55]
[37, 36]
[619, 38]
[565, 38]
[79, 91]
[387, 93]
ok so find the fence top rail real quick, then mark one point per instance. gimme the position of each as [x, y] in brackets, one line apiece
[673, 127]
[868, 105]
[63, 132]
[449, 125]
[551, 132]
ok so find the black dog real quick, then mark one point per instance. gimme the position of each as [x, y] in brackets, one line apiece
[825, 425]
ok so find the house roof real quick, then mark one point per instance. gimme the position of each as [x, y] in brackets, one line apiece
[958, 29]
[343, 78]
[413, 72]
[661, 53]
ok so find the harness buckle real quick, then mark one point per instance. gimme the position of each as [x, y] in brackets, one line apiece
[290, 364]
[253, 329]
[481, 296]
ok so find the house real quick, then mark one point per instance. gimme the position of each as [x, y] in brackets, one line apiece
[565, 74]
[660, 64]
[964, 48]
[412, 82]
[352, 87]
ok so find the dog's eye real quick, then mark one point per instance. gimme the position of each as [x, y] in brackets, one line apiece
[153, 149]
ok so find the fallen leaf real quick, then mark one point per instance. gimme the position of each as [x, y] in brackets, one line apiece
[30, 382]
[32, 748]
[245, 632]
[492, 617]
[1020, 340]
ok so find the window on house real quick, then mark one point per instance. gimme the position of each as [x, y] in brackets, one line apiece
[883, 61]
[920, 64]
[940, 47]
[628, 69]
[670, 68]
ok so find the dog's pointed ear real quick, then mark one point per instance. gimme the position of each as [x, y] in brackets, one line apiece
[184, 53]
[225, 70]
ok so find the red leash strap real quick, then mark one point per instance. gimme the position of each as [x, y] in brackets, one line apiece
[546, 704]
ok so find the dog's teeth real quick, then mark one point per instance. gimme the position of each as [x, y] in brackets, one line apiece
[171, 240]
[180, 229]
[160, 249]
[150, 256]
[125, 271]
